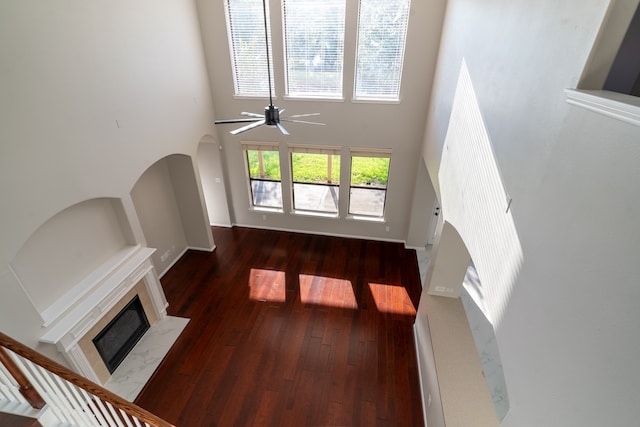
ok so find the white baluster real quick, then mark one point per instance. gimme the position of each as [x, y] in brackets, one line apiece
[105, 412]
[90, 399]
[114, 414]
[127, 418]
[41, 384]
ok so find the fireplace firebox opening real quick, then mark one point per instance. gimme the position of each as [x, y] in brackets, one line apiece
[119, 337]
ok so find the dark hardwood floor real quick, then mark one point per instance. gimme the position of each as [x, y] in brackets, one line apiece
[291, 329]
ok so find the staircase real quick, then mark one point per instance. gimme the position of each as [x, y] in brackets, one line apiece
[36, 391]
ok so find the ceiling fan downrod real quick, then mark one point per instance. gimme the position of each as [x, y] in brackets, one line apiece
[271, 116]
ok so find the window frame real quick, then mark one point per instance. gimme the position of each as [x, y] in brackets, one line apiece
[376, 97]
[373, 153]
[301, 95]
[237, 87]
[261, 146]
[327, 150]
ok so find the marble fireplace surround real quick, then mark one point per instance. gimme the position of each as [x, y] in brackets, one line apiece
[80, 314]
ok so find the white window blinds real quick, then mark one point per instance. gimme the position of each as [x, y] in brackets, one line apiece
[314, 43]
[245, 25]
[382, 29]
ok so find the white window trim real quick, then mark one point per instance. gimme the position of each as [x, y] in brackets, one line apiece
[315, 149]
[369, 152]
[313, 98]
[376, 101]
[232, 58]
[259, 146]
[611, 104]
[382, 99]
[337, 97]
[331, 150]
[265, 209]
[315, 214]
[369, 218]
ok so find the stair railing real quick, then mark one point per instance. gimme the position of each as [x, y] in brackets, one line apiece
[72, 399]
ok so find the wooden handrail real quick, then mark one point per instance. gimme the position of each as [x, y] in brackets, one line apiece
[26, 388]
[93, 388]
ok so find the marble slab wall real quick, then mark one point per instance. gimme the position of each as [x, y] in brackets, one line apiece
[486, 343]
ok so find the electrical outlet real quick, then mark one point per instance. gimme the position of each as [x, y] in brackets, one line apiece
[387, 228]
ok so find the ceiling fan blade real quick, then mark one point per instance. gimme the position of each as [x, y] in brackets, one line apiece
[238, 120]
[248, 127]
[304, 115]
[282, 129]
[260, 116]
[302, 121]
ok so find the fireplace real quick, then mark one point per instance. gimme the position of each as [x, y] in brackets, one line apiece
[121, 334]
[91, 305]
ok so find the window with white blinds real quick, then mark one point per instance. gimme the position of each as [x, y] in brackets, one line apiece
[245, 25]
[314, 44]
[382, 30]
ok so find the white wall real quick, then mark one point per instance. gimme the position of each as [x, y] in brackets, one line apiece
[68, 247]
[157, 208]
[396, 126]
[213, 183]
[568, 333]
[93, 93]
[424, 201]
[189, 200]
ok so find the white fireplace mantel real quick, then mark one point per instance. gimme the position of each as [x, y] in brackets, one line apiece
[76, 312]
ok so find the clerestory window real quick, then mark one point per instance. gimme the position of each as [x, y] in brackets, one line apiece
[245, 27]
[314, 47]
[382, 31]
[314, 33]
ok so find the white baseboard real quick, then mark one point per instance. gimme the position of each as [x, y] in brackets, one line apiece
[320, 233]
[221, 225]
[420, 375]
[177, 258]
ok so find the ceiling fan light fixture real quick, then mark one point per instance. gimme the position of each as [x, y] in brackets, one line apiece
[271, 115]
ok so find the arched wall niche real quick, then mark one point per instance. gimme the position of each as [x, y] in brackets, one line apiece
[170, 207]
[70, 246]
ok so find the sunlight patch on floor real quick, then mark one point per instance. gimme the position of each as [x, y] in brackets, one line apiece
[392, 299]
[327, 291]
[267, 285]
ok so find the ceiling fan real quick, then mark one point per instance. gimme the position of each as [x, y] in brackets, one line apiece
[271, 116]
